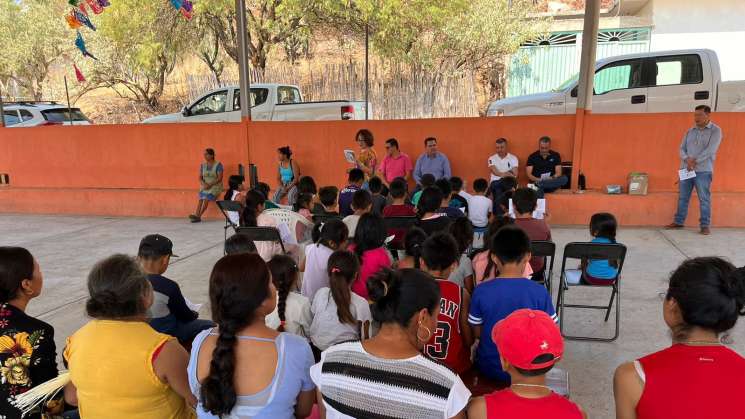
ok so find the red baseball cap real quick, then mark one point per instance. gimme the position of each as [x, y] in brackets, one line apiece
[526, 334]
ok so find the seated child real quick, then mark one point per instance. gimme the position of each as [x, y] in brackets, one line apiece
[356, 179]
[480, 207]
[361, 204]
[265, 190]
[302, 206]
[292, 313]
[447, 193]
[413, 241]
[457, 200]
[603, 228]
[428, 180]
[239, 243]
[484, 266]
[378, 200]
[327, 238]
[525, 201]
[328, 197]
[494, 300]
[430, 219]
[170, 312]
[462, 232]
[398, 209]
[530, 344]
[439, 259]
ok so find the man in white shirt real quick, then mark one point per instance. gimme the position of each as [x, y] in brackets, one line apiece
[502, 165]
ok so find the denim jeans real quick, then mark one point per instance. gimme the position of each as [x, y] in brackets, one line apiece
[184, 332]
[550, 185]
[702, 183]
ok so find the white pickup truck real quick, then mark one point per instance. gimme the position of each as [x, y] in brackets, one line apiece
[269, 102]
[663, 81]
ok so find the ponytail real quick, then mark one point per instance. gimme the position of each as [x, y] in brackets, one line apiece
[413, 241]
[234, 182]
[331, 234]
[343, 268]
[284, 275]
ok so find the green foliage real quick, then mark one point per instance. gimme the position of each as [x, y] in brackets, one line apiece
[34, 36]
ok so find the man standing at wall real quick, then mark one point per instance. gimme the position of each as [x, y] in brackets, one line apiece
[697, 153]
[395, 164]
[432, 162]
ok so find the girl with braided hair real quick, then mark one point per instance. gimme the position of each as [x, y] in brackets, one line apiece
[242, 368]
[293, 309]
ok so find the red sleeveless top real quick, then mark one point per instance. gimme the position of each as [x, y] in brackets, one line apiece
[685, 381]
[506, 404]
[446, 344]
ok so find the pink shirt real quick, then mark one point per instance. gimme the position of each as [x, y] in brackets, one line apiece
[392, 168]
[372, 262]
[479, 265]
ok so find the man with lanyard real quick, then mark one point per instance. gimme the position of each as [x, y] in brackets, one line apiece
[697, 154]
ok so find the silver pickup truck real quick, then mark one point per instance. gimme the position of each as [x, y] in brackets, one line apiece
[269, 102]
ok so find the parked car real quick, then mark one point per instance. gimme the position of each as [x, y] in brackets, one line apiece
[269, 102]
[40, 113]
[663, 81]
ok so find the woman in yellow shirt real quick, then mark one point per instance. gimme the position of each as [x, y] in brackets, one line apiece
[119, 366]
[368, 159]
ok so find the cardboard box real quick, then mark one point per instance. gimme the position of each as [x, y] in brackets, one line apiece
[638, 183]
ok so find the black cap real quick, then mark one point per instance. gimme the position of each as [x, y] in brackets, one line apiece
[156, 245]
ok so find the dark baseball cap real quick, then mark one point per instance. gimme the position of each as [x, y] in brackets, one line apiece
[156, 245]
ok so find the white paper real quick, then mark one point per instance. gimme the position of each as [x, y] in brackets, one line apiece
[540, 209]
[685, 174]
[192, 306]
[545, 176]
[349, 156]
[390, 238]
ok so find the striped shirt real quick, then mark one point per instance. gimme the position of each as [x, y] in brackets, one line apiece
[356, 384]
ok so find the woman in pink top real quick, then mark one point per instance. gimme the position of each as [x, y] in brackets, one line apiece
[369, 241]
[696, 377]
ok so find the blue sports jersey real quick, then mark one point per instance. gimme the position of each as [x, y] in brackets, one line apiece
[493, 301]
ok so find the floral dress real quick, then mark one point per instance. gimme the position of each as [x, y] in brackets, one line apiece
[27, 357]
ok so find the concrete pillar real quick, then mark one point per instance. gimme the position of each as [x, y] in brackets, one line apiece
[243, 73]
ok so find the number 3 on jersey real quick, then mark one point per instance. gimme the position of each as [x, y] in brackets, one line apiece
[438, 346]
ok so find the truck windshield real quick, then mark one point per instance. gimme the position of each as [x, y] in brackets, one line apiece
[563, 86]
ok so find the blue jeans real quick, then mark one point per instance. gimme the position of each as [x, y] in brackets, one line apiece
[702, 183]
[550, 185]
[184, 332]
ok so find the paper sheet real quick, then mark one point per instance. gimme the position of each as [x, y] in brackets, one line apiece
[685, 174]
[192, 306]
[349, 156]
[545, 176]
[540, 209]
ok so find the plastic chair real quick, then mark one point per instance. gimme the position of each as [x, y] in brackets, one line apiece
[262, 234]
[547, 250]
[225, 207]
[592, 251]
[291, 219]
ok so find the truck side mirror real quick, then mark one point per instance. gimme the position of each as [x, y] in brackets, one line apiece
[185, 111]
[574, 91]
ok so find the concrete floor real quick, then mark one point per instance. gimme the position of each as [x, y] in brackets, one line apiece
[67, 247]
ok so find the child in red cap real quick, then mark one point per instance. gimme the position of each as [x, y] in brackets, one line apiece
[529, 345]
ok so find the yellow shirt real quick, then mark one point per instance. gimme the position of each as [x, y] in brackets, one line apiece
[110, 363]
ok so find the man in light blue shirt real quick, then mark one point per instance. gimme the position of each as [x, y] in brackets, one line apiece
[432, 162]
[698, 152]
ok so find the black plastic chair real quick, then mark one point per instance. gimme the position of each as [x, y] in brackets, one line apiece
[226, 206]
[545, 249]
[318, 218]
[592, 251]
[262, 234]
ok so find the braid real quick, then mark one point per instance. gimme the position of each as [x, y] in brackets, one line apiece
[218, 390]
[284, 275]
[283, 290]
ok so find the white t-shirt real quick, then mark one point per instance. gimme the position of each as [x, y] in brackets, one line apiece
[297, 315]
[351, 221]
[505, 164]
[315, 276]
[326, 329]
[234, 216]
[360, 384]
[479, 208]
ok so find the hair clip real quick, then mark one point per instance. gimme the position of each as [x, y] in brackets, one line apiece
[282, 323]
[335, 270]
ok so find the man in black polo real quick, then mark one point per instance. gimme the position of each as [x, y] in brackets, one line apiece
[544, 168]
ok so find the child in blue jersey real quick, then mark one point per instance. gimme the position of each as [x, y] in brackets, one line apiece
[494, 300]
[603, 228]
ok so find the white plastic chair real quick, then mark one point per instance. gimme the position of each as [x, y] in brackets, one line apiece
[291, 219]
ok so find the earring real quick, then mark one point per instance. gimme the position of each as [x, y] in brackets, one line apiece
[429, 333]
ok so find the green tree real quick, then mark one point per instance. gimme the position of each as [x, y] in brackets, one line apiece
[34, 37]
[138, 44]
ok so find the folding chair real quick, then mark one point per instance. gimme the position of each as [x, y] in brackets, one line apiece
[592, 251]
[547, 250]
[318, 218]
[262, 234]
[398, 226]
[226, 206]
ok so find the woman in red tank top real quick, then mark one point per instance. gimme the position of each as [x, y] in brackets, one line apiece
[452, 339]
[696, 377]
